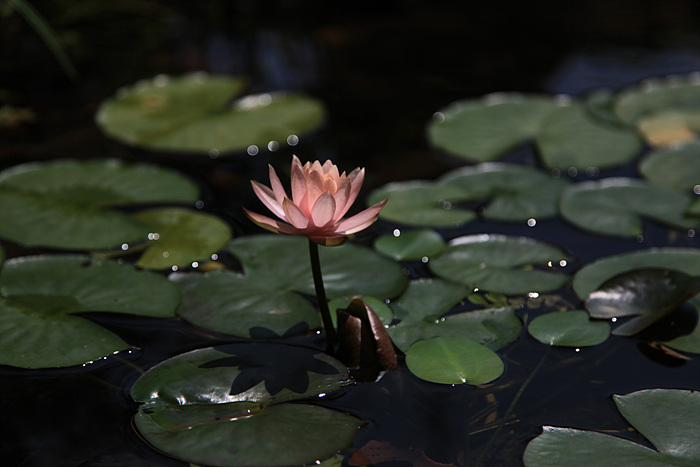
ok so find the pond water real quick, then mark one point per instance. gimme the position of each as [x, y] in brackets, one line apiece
[382, 72]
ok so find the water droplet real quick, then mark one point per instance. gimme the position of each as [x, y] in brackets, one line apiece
[195, 264]
[252, 150]
[174, 268]
[213, 153]
[691, 233]
[199, 204]
[153, 236]
[439, 117]
[165, 254]
[640, 238]
[577, 349]
[533, 295]
[614, 320]
[125, 246]
[562, 263]
[292, 140]
[425, 259]
[549, 264]
[397, 232]
[592, 171]
[696, 189]
[531, 222]
[214, 257]
[573, 171]
[556, 173]
[273, 146]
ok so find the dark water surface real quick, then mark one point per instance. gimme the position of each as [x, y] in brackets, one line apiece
[382, 68]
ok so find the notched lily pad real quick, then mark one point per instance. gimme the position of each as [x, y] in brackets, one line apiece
[40, 296]
[666, 417]
[568, 329]
[565, 133]
[76, 202]
[501, 263]
[179, 237]
[265, 299]
[453, 360]
[676, 167]
[197, 113]
[411, 245]
[229, 406]
[647, 294]
[617, 206]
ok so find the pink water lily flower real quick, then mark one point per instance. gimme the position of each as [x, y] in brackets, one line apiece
[320, 198]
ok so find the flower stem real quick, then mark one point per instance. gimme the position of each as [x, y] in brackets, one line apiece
[331, 337]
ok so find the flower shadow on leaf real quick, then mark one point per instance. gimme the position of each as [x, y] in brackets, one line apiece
[279, 370]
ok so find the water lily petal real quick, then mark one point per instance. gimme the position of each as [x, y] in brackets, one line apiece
[271, 224]
[277, 187]
[298, 181]
[323, 210]
[268, 198]
[314, 185]
[360, 221]
[295, 216]
[356, 177]
[341, 200]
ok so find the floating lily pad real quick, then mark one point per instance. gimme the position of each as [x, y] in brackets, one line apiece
[514, 192]
[592, 276]
[485, 129]
[568, 329]
[197, 113]
[493, 328]
[617, 206]
[264, 300]
[658, 95]
[410, 245]
[74, 203]
[229, 406]
[573, 137]
[40, 296]
[666, 417]
[500, 263]
[675, 167]
[453, 360]
[647, 294]
[422, 203]
[564, 132]
[427, 299]
[180, 236]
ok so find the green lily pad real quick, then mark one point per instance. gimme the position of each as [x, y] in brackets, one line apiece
[485, 129]
[411, 245]
[566, 134]
[229, 406]
[180, 237]
[666, 417]
[493, 328]
[616, 206]
[74, 202]
[422, 203]
[573, 137]
[453, 360]
[427, 299]
[195, 113]
[500, 263]
[40, 296]
[515, 192]
[568, 329]
[647, 294]
[592, 276]
[674, 167]
[265, 300]
[658, 95]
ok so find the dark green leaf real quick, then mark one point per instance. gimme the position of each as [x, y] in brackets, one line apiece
[568, 329]
[410, 245]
